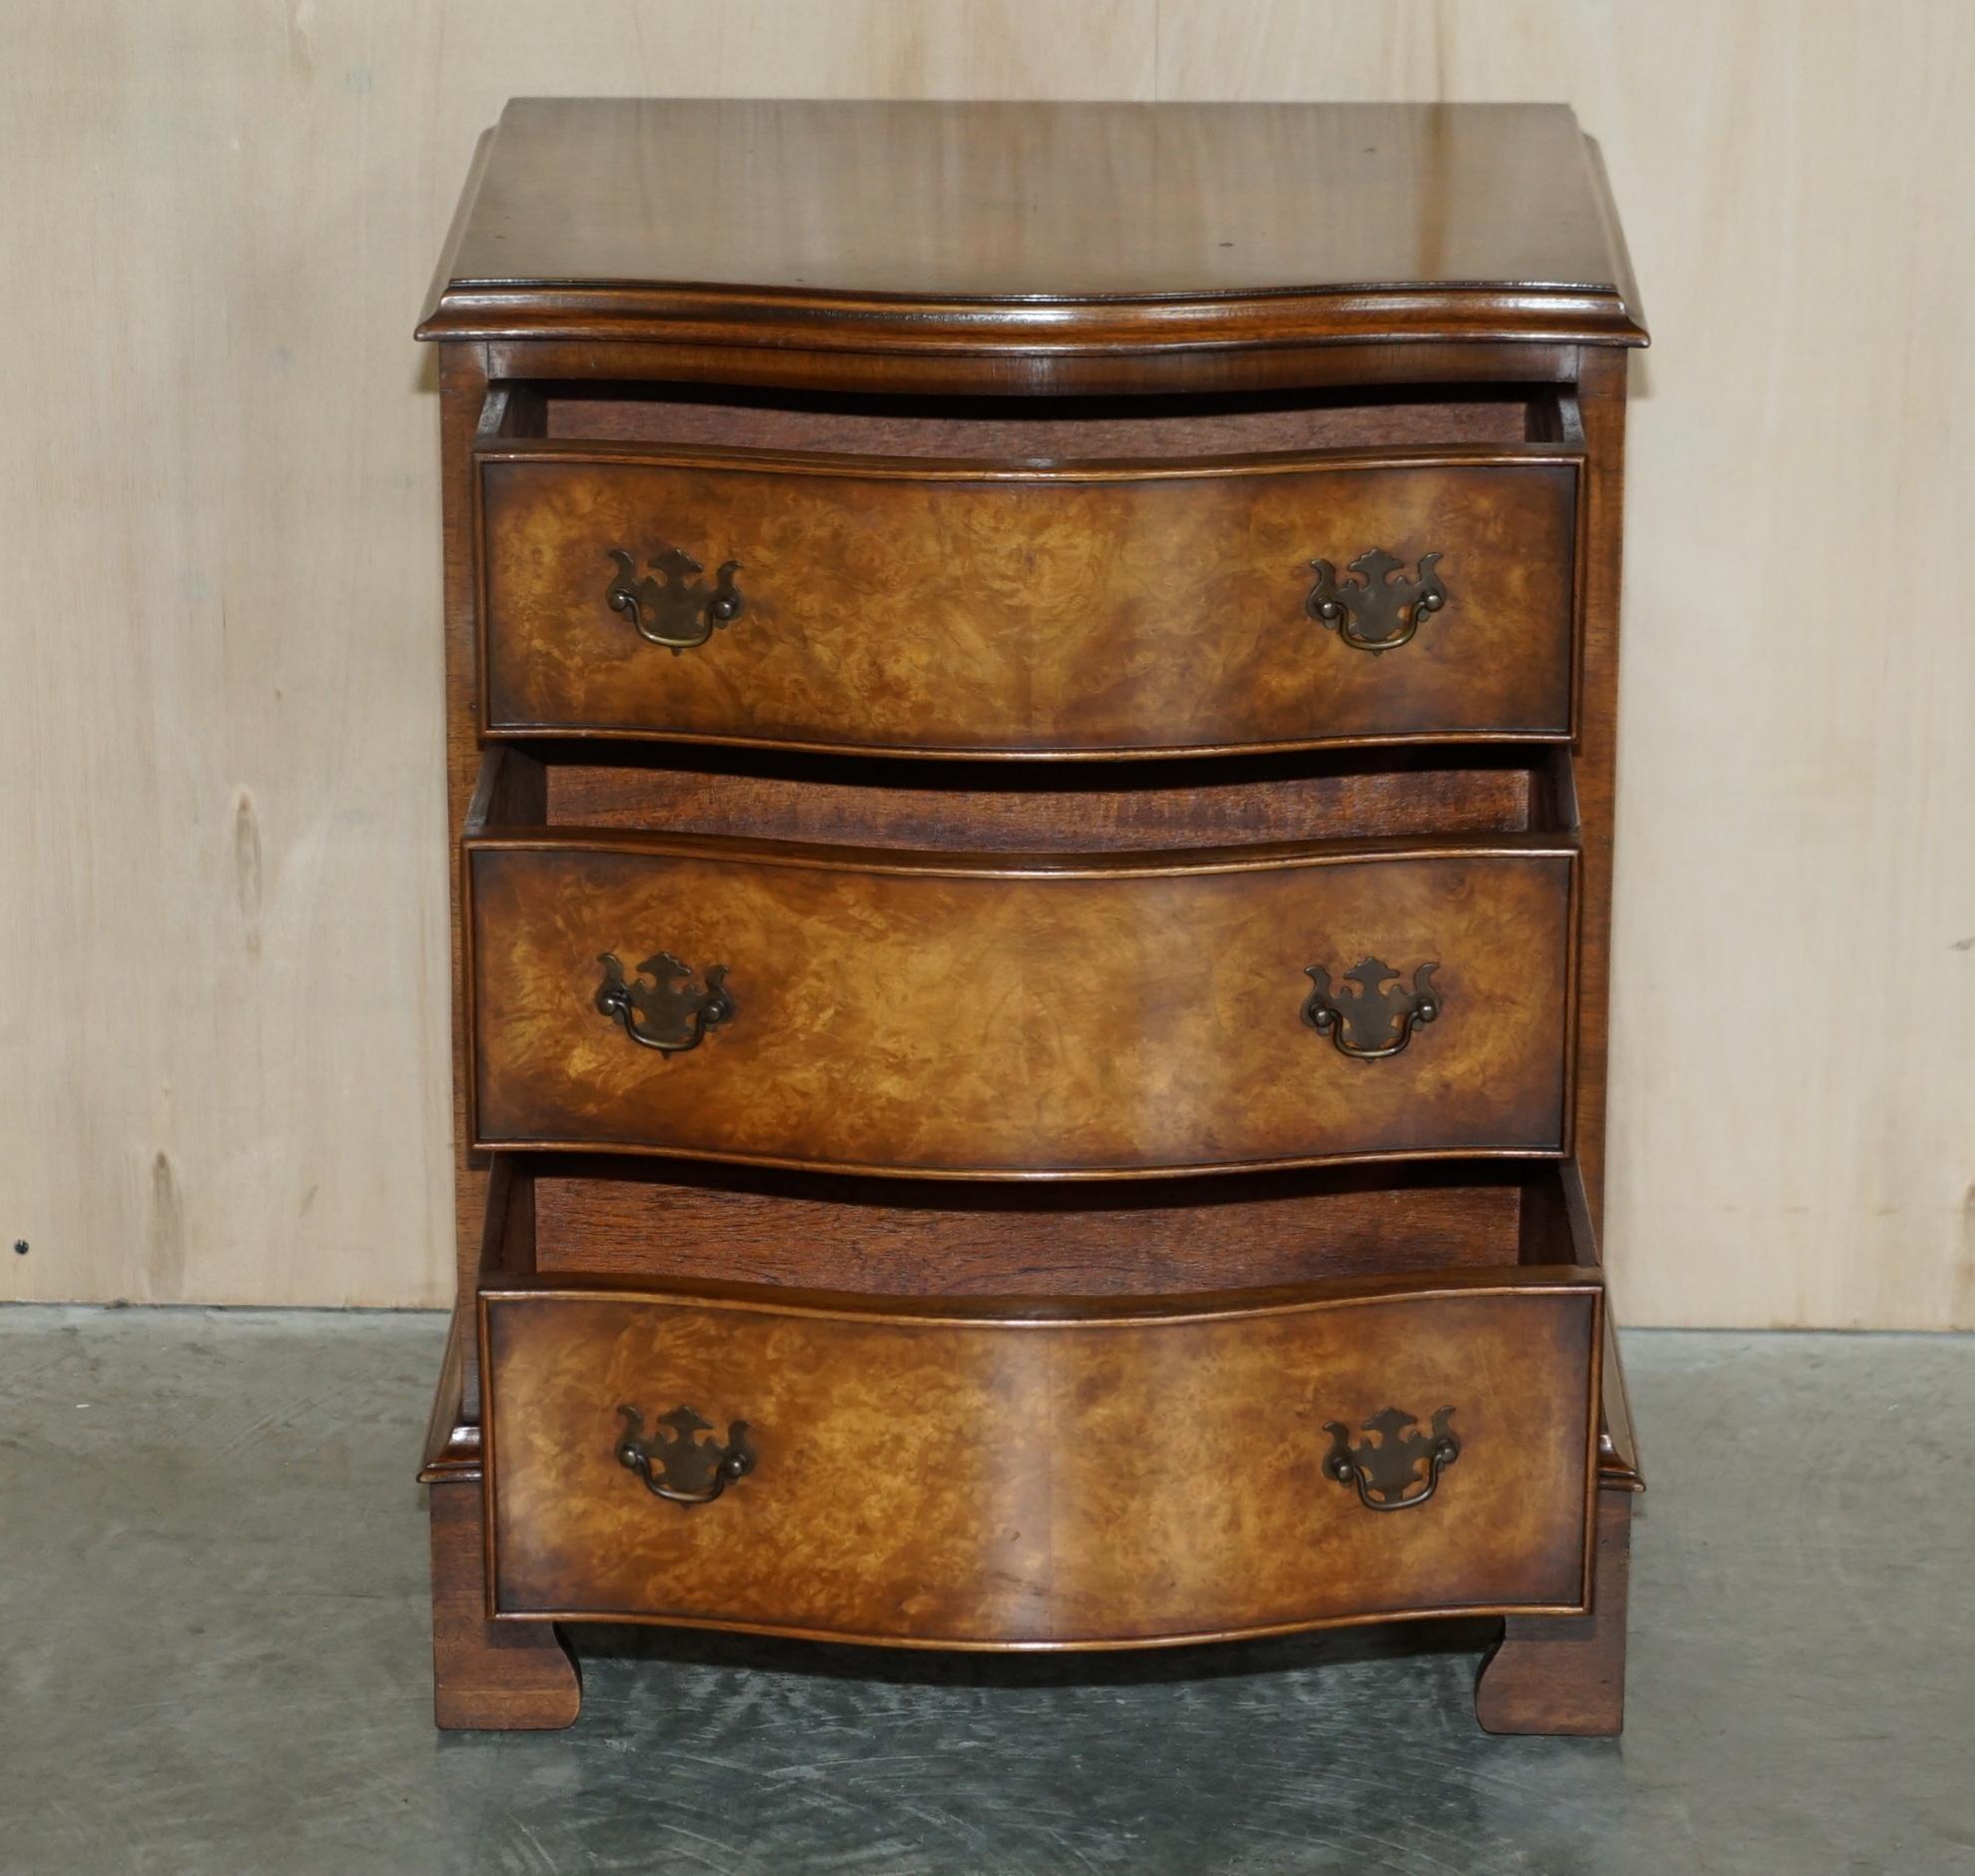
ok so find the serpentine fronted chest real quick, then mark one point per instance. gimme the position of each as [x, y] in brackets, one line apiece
[1031, 694]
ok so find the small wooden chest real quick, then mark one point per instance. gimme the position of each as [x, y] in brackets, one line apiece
[1031, 696]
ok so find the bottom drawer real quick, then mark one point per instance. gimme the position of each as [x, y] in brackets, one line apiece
[1023, 1475]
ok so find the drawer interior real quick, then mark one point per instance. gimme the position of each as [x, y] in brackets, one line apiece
[1007, 807]
[561, 1215]
[1031, 429]
[980, 808]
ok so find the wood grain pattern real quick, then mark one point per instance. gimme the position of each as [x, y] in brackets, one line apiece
[1567, 1678]
[1127, 204]
[902, 1237]
[1601, 409]
[1390, 363]
[1073, 808]
[620, 1220]
[505, 1677]
[1032, 430]
[907, 1012]
[1043, 1478]
[1805, 802]
[188, 433]
[743, 221]
[895, 606]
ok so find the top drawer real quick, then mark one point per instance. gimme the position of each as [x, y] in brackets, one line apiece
[917, 607]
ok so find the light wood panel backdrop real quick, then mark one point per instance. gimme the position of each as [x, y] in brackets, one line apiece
[222, 954]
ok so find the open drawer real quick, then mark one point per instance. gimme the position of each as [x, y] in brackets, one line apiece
[1026, 1017]
[1021, 1473]
[636, 585]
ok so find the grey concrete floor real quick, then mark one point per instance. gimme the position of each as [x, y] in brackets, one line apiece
[212, 1589]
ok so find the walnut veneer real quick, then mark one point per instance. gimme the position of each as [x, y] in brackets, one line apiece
[1027, 611]
[912, 1482]
[1034, 792]
[1041, 1018]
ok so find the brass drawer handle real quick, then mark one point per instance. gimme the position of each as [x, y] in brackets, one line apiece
[1392, 1465]
[1376, 613]
[1378, 1018]
[664, 1009]
[677, 609]
[675, 1463]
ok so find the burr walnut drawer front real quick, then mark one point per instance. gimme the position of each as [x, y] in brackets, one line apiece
[1012, 1475]
[882, 1012]
[869, 604]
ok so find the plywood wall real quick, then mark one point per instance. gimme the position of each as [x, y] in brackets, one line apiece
[222, 955]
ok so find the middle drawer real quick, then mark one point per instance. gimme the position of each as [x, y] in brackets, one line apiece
[1032, 1018]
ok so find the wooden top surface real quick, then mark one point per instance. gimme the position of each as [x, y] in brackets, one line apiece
[1033, 226]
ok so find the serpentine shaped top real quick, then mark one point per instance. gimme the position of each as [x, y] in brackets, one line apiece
[1034, 227]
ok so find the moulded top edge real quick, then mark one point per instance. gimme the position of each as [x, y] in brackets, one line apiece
[1033, 226]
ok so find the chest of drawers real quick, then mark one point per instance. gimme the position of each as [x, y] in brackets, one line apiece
[1030, 707]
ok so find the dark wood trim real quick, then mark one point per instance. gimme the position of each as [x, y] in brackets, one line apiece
[1048, 1176]
[842, 464]
[747, 317]
[462, 213]
[1541, 1615]
[1626, 281]
[604, 736]
[1602, 404]
[1052, 1312]
[1275, 367]
[510, 791]
[463, 392]
[1263, 857]
[1617, 1449]
[452, 1442]
[1566, 1676]
[507, 1675]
